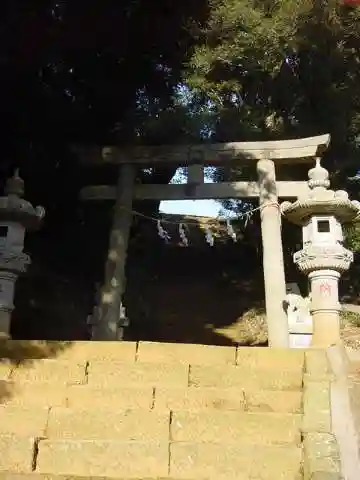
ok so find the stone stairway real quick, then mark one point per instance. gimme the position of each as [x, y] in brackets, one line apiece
[130, 410]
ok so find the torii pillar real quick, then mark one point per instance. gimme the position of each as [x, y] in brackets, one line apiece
[107, 326]
[273, 257]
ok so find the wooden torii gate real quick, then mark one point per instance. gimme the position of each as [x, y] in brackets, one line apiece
[266, 155]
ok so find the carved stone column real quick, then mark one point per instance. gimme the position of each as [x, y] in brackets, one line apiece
[107, 327]
[325, 307]
[324, 266]
[273, 260]
[9, 272]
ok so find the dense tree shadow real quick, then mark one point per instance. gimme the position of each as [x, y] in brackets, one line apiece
[50, 306]
[14, 353]
[195, 294]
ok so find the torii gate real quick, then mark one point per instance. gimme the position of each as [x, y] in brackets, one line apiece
[266, 155]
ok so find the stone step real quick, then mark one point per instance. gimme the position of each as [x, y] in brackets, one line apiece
[182, 461]
[52, 371]
[228, 399]
[228, 427]
[160, 398]
[153, 352]
[263, 358]
[143, 410]
[44, 476]
[181, 376]
[81, 397]
[110, 374]
[135, 460]
[235, 428]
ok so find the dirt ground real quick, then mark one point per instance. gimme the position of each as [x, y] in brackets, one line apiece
[350, 326]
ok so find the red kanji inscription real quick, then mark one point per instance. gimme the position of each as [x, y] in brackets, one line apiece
[325, 289]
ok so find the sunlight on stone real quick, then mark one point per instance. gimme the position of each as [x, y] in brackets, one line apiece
[115, 282]
[113, 255]
[108, 297]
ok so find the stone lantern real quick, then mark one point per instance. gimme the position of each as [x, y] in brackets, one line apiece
[16, 216]
[323, 257]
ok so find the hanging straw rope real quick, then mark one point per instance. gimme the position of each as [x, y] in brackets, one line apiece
[213, 225]
[217, 220]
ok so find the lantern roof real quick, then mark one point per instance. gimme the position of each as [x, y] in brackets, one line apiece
[13, 208]
[320, 200]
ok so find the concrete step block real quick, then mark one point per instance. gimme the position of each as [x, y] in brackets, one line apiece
[103, 458]
[44, 476]
[116, 398]
[23, 421]
[52, 371]
[228, 399]
[5, 369]
[82, 397]
[100, 351]
[236, 428]
[110, 375]
[213, 461]
[128, 425]
[196, 399]
[271, 358]
[16, 453]
[186, 353]
[281, 401]
[244, 378]
[34, 395]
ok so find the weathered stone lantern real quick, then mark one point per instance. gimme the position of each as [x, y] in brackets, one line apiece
[16, 216]
[321, 212]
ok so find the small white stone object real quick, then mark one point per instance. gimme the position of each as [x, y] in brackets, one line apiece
[123, 320]
[182, 233]
[209, 237]
[230, 230]
[162, 232]
[298, 310]
[247, 218]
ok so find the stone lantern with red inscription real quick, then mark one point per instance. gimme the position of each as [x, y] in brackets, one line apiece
[321, 213]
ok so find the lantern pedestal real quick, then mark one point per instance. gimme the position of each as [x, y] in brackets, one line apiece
[325, 307]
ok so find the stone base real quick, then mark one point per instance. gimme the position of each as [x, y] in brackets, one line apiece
[5, 323]
[300, 340]
[326, 328]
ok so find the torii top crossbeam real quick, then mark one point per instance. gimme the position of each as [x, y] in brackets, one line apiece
[280, 151]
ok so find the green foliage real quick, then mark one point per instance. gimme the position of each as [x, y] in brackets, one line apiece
[280, 69]
[352, 238]
[350, 318]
